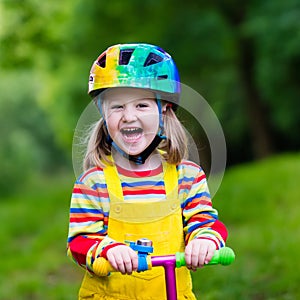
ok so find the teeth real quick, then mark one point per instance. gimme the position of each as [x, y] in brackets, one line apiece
[131, 130]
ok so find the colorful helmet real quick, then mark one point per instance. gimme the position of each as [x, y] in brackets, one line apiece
[136, 65]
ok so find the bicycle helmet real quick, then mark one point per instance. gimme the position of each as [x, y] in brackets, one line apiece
[136, 65]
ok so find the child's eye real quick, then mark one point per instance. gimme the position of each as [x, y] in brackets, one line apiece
[116, 107]
[142, 105]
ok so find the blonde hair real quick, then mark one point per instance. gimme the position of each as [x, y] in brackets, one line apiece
[174, 147]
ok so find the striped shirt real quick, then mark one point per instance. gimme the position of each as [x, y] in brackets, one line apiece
[89, 211]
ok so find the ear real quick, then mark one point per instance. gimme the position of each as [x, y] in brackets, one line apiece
[165, 107]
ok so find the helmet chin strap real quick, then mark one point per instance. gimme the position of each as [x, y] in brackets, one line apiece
[140, 159]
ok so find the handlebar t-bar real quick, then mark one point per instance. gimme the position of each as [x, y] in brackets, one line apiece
[225, 256]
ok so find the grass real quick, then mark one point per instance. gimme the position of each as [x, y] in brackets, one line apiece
[33, 234]
[259, 203]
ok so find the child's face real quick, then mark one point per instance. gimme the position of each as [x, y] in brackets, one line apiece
[132, 118]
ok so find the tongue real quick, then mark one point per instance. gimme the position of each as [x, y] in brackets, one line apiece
[132, 136]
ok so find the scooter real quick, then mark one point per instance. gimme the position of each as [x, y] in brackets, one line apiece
[225, 256]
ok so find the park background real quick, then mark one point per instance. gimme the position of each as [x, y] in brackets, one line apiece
[243, 57]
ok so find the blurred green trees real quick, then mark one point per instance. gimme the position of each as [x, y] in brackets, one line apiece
[242, 57]
[27, 140]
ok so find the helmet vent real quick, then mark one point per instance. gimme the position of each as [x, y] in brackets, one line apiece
[162, 77]
[152, 59]
[125, 56]
[102, 61]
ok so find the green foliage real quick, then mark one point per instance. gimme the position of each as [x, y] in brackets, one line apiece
[32, 33]
[26, 138]
[50, 47]
[273, 27]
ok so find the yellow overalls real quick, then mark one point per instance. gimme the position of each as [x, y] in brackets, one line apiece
[160, 222]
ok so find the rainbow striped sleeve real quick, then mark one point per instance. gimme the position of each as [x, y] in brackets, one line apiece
[199, 216]
[88, 218]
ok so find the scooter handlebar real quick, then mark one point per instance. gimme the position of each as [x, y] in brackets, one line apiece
[225, 256]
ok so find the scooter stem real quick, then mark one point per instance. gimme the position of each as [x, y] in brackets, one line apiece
[168, 262]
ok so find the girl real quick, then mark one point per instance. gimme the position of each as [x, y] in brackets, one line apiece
[137, 182]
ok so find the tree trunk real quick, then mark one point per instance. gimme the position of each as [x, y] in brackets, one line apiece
[257, 114]
[258, 117]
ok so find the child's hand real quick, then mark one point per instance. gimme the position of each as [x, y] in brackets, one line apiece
[123, 259]
[199, 252]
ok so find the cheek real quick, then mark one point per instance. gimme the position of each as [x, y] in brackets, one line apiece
[151, 124]
[112, 125]
[150, 118]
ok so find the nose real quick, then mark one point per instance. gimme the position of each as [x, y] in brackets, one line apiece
[129, 114]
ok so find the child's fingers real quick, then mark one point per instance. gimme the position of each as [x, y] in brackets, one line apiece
[117, 262]
[198, 252]
[127, 264]
[130, 260]
[191, 256]
[114, 256]
[202, 253]
[188, 255]
[134, 260]
[210, 252]
[123, 259]
[112, 260]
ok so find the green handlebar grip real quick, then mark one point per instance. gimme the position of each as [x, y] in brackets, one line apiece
[225, 256]
[180, 259]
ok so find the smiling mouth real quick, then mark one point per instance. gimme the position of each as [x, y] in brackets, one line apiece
[132, 134]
